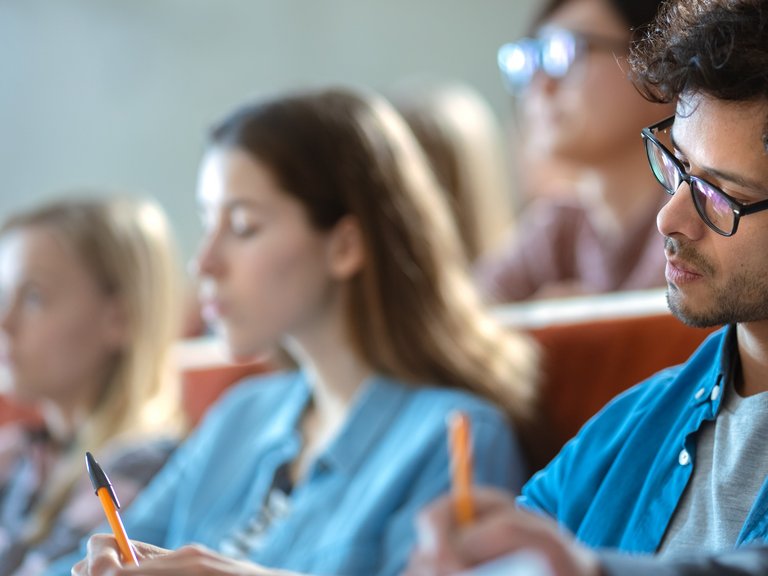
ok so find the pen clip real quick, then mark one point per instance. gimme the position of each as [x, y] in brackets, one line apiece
[99, 479]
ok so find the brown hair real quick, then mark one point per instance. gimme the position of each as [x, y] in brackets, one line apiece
[637, 14]
[126, 245]
[412, 310]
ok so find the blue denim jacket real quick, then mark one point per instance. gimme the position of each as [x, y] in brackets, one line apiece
[618, 482]
[353, 513]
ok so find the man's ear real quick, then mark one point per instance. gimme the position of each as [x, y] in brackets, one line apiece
[346, 252]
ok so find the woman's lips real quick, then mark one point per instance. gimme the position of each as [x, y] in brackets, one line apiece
[6, 357]
[212, 310]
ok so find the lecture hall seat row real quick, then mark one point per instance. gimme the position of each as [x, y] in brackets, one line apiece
[592, 348]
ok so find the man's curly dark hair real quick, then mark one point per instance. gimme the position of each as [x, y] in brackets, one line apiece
[718, 48]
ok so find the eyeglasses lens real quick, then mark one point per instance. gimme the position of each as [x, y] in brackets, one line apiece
[518, 63]
[663, 166]
[552, 52]
[712, 204]
[558, 51]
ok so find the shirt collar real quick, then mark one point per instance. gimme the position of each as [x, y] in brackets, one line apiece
[730, 362]
[724, 371]
[377, 404]
[285, 420]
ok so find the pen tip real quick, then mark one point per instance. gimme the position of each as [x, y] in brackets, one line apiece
[89, 461]
[98, 478]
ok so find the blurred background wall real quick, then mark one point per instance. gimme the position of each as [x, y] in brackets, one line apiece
[118, 94]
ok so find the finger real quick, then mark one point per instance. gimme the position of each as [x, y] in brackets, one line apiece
[80, 569]
[496, 535]
[105, 559]
[192, 560]
[438, 520]
[509, 530]
[146, 551]
[490, 500]
[438, 531]
[527, 531]
[103, 555]
[431, 565]
[99, 544]
[434, 524]
[436, 527]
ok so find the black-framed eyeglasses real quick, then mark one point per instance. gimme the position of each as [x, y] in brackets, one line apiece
[553, 51]
[717, 209]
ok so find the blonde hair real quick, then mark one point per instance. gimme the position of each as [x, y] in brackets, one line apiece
[126, 245]
[413, 312]
[462, 139]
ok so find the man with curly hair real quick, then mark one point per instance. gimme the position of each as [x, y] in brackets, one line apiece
[675, 466]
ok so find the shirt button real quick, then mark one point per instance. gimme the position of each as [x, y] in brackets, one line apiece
[699, 393]
[715, 393]
[684, 457]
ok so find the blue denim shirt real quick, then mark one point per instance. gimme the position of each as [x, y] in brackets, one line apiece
[353, 512]
[618, 482]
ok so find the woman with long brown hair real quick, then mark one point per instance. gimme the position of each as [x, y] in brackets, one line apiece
[326, 232]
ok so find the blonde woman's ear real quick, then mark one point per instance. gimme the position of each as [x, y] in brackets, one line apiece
[115, 324]
[346, 252]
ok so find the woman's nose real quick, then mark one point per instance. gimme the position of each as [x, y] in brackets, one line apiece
[208, 261]
[6, 317]
[543, 83]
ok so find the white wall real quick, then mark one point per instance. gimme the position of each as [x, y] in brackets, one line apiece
[119, 93]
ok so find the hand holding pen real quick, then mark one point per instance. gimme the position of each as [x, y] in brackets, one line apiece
[473, 526]
[155, 561]
[110, 503]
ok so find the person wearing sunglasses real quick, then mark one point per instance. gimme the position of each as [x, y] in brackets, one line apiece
[675, 466]
[579, 117]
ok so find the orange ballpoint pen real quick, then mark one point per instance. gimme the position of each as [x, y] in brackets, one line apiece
[460, 444]
[109, 502]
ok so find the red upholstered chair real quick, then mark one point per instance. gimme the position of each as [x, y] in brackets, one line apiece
[593, 348]
[200, 387]
[11, 411]
[206, 372]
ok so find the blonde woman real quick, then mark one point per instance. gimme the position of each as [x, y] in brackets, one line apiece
[326, 231]
[87, 318]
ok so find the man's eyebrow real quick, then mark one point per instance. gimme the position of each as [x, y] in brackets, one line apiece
[725, 175]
